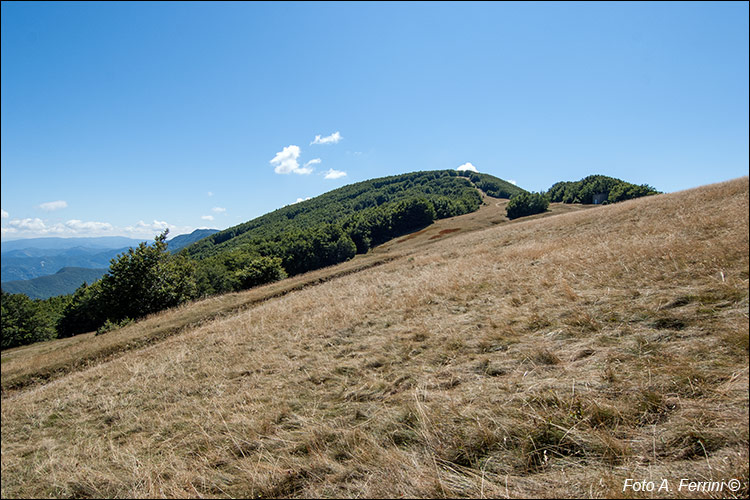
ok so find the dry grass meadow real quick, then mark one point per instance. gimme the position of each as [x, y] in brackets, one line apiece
[551, 357]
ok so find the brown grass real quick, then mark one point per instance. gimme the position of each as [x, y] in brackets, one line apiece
[553, 357]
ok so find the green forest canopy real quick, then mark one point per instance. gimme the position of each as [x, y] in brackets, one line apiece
[448, 191]
[583, 191]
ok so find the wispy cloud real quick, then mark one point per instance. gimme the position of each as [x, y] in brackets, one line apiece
[285, 161]
[314, 161]
[207, 217]
[301, 199]
[156, 225]
[218, 210]
[37, 228]
[4, 214]
[51, 206]
[210, 194]
[79, 226]
[334, 174]
[330, 139]
[467, 166]
[35, 224]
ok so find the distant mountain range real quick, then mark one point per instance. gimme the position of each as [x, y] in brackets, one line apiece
[100, 242]
[63, 282]
[30, 259]
[30, 263]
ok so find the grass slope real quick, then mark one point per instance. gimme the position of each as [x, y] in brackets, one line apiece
[553, 357]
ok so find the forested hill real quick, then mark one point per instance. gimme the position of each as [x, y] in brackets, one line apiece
[63, 282]
[369, 212]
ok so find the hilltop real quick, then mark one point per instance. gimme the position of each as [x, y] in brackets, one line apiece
[555, 355]
[370, 212]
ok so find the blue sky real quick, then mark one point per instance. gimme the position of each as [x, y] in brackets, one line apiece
[123, 118]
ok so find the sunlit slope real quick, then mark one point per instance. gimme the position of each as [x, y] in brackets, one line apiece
[551, 357]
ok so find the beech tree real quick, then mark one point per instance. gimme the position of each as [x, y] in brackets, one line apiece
[145, 280]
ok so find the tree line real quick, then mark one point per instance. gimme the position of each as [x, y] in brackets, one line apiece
[609, 189]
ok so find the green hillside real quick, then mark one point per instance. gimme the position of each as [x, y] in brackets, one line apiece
[365, 210]
[64, 282]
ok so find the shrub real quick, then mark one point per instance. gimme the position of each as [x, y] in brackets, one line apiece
[258, 272]
[109, 326]
[526, 204]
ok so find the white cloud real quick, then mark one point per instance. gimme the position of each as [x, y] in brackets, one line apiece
[304, 170]
[301, 199]
[512, 182]
[331, 139]
[33, 228]
[158, 225]
[467, 166]
[218, 210]
[28, 224]
[5, 214]
[51, 206]
[285, 161]
[207, 217]
[210, 193]
[334, 174]
[79, 226]
[314, 161]
[143, 227]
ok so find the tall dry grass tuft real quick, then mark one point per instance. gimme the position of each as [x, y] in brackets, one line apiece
[551, 357]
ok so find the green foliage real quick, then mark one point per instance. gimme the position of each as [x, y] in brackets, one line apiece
[235, 271]
[364, 210]
[84, 312]
[583, 191]
[492, 186]
[625, 191]
[331, 228]
[145, 280]
[526, 204]
[141, 281]
[25, 321]
[258, 272]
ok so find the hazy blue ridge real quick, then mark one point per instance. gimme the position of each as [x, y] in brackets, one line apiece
[19, 267]
[64, 282]
[62, 244]
[36, 257]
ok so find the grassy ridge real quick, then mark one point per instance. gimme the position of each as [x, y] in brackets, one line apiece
[551, 357]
